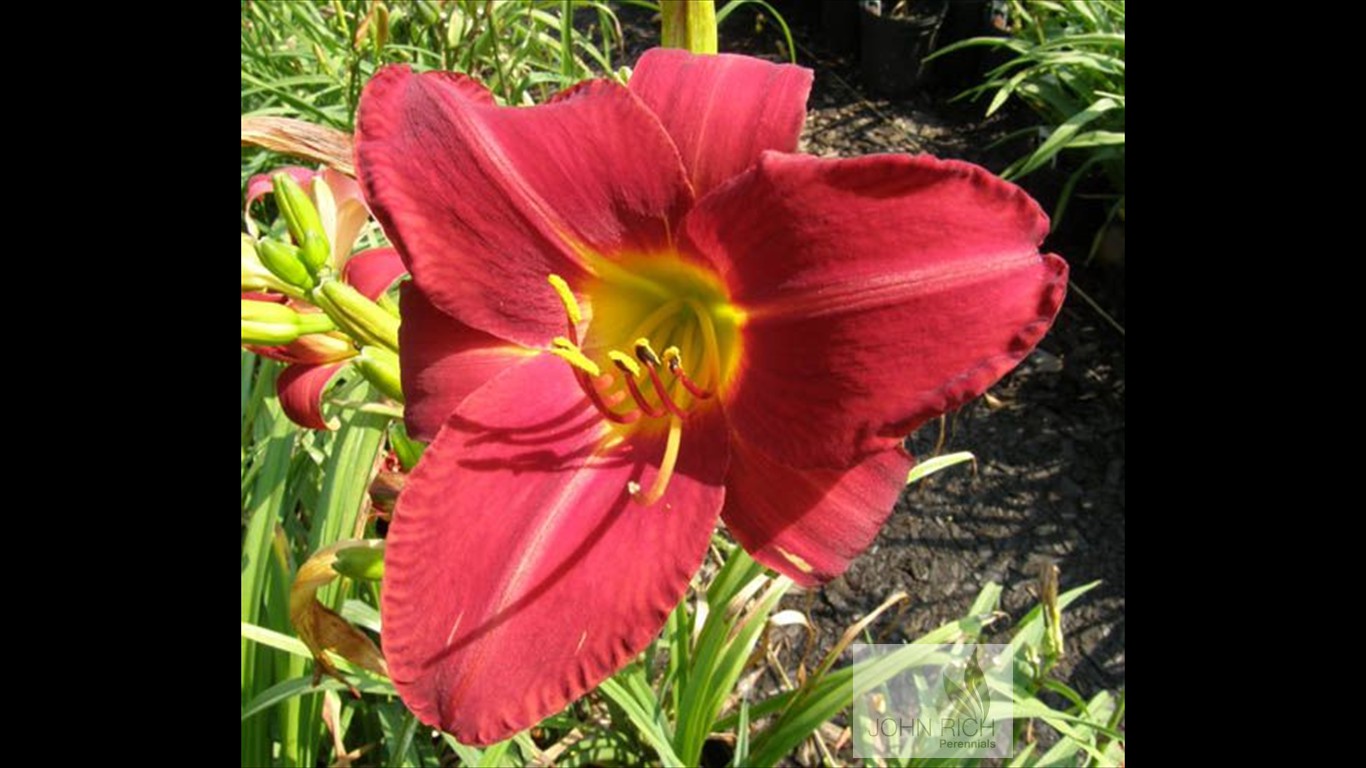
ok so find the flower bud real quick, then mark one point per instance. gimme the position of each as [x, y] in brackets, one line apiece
[360, 317]
[361, 562]
[268, 323]
[285, 262]
[305, 225]
[321, 628]
[255, 276]
[380, 367]
[314, 251]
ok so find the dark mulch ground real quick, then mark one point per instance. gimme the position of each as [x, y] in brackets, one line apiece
[1050, 484]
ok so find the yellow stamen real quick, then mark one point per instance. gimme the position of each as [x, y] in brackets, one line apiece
[590, 379]
[604, 405]
[645, 352]
[666, 468]
[571, 304]
[632, 370]
[713, 354]
[677, 369]
[650, 324]
[653, 370]
[642, 403]
[670, 304]
[625, 363]
[696, 350]
[570, 353]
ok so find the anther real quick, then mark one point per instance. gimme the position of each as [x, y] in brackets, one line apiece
[624, 362]
[571, 305]
[632, 370]
[570, 353]
[673, 359]
[646, 353]
[587, 373]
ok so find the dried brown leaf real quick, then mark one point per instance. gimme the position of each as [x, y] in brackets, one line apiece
[302, 139]
[319, 627]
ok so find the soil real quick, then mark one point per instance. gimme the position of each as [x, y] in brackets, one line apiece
[1049, 485]
[909, 11]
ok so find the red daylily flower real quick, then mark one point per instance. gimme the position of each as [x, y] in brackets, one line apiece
[633, 310]
[315, 359]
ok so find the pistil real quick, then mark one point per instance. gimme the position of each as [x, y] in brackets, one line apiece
[666, 468]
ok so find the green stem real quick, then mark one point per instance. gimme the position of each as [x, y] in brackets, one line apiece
[492, 15]
[688, 24]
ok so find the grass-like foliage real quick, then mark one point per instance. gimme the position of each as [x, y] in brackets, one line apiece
[700, 682]
[1067, 63]
[309, 60]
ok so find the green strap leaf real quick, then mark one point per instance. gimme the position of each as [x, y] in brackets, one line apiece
[930, 466]
[642, 714]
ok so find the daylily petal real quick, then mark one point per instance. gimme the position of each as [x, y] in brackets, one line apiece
[300, 389]
[504, 197]
[722, 111]
[518, 572]
[809, 523]
[372, 272]
[350, 214]
[443, 361]
[880, 292]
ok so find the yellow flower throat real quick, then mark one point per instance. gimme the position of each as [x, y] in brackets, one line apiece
[662, 342]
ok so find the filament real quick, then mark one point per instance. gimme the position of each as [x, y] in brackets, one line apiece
[713, 354]
[632, 370]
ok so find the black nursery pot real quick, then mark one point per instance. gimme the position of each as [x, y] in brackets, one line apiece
[893, 49]
[839, 25]
[961, 69]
